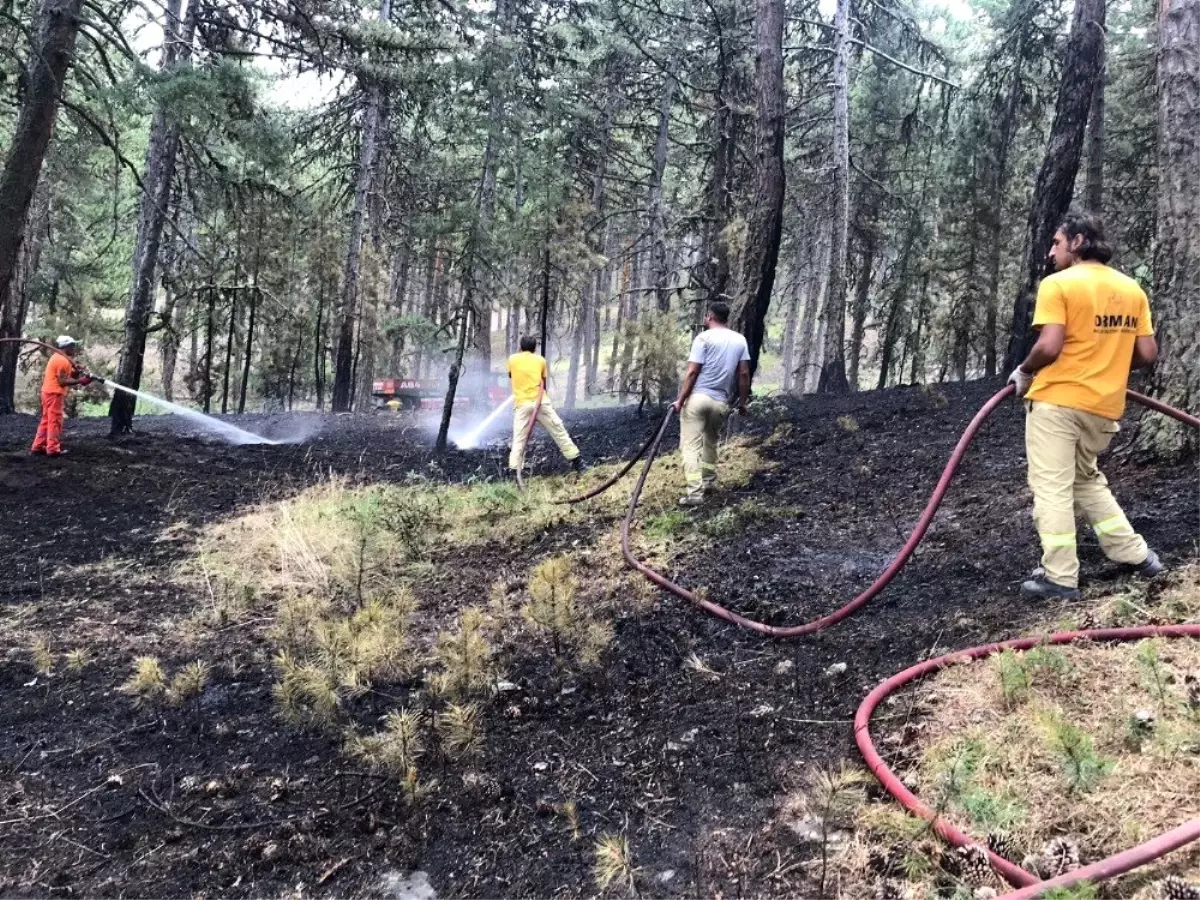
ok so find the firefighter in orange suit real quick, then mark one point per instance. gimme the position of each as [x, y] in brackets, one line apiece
[61, 375]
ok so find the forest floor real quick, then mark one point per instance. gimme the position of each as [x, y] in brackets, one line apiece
[691, 741]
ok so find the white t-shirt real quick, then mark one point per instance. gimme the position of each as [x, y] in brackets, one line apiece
[718, 351]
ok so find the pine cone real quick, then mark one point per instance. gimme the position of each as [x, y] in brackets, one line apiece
[888, 889]
[974, 867]
[1002, 845]
[1175, 888]
[1058, 856]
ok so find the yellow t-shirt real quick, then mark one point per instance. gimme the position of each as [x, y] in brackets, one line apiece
[1104, 313]
[527, 370]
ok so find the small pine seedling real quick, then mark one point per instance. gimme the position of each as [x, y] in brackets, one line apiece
[613, 864]
[78, 660]
[43, 657]
[188, 683]
[148, 684]
[459, 729]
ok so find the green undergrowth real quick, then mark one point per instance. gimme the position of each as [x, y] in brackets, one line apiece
[1058, 755]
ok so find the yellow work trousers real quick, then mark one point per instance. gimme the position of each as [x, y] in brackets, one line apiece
[549, 420]
[700, 423]
[1061, 445]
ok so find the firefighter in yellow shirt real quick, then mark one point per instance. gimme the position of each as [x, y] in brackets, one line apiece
[527, 372]
[1094, 327]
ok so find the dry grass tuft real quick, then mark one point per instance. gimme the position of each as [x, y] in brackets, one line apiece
[78, 660]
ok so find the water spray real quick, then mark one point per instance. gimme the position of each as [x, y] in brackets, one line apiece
[472, 439]
[230, 433]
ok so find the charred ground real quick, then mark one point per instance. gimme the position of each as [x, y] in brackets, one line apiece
[217, 797]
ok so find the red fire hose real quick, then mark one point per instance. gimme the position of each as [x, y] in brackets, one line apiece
[854, 605]
[886, 576]
[1028, 884]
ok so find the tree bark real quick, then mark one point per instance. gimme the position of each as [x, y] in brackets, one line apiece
[50, 53]
[833, 368]
[858, 312]
[368, 156]
[12, 316]
[1056, 180]
[152, 216]
[1177, 244]
[766, 218]
[658, 227]
[1093, 187]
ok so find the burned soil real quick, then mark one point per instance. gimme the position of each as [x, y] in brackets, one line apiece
[690, 763]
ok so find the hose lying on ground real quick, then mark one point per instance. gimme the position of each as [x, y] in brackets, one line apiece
[1028, 884]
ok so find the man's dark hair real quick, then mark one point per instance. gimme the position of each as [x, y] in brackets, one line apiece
[528, 343]
[719, 310]
[1091, 227]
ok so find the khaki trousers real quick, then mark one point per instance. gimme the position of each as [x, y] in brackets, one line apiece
[700, 423]
[1061, 445]
[549, 420]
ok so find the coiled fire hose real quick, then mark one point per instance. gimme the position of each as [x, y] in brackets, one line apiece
[1028, 884]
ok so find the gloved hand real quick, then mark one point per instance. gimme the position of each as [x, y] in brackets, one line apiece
[1022, 380]
[85, 380]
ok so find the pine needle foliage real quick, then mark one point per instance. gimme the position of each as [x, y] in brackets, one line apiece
[460, 731]
[148, 684]
[394, 749]
[613, 864]
[43, 657]
[552, 610]
[465, 656]
[188, 683]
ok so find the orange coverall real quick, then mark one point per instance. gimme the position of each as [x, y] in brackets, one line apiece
[49, 431]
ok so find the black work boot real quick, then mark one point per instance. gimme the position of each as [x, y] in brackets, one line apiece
[1148, 567]
[1040, 586]
[579, 465]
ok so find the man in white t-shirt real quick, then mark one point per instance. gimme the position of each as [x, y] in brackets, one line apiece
[718, 365]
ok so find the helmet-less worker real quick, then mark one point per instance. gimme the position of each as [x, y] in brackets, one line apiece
[1094, 328]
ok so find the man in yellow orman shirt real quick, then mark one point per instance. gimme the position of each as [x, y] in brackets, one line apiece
[1095, 326]
[527, 372]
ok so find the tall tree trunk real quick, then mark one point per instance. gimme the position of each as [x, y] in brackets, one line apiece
[12, 315]
[1056, 180]
[658, 227]
[766, 218]
[1093, 187]
[210, 327]
[809, 351]
[1177, 244]
[249, 354]
[833, 367]
[1000, 145]
[460, 350]
[797, 299]
[713, 268]
[858, 313]
[368, 155]
[50, 52]
[397, 303]
[152, 216]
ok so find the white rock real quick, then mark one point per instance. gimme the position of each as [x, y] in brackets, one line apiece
[784, 667]
[407, 886]
[836, 670]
